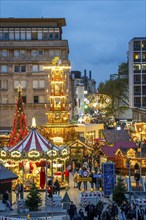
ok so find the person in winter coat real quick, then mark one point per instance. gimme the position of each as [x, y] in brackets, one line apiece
[72, 210]
[131, 214]
[114, 211]
[106, 215]
[81, 213]
[123, 210]
[77, 216]
[99, 208]
[90, 209]
[57, 187]
[140, 213]
[6, 201]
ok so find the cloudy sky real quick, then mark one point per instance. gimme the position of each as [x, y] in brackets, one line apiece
[98, 31]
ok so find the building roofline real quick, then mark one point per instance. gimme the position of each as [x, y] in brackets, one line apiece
[137, 38]
[60, 21]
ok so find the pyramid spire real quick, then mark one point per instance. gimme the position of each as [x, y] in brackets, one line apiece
[19, 130]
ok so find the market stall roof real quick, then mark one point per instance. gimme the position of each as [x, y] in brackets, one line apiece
[6, 174]
[34, 141]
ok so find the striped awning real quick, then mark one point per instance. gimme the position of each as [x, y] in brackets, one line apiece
[34, 141]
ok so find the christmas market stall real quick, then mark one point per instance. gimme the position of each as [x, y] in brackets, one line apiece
[6, 178]
[31, 157]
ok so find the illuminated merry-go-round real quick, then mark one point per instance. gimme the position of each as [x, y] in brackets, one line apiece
[31, 157]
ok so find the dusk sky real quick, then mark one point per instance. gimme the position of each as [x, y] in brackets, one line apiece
[98, 32]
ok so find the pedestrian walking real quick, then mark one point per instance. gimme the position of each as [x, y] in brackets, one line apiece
[140, 213]
[99, 208]
[114, 211]
[75, 180]
[21, 191]
[76, 216]
[131, 214]
[6, 200]
[57, 187]
[123, 210]
[81, 213]
[106, 214]
[90, 209]
[72, 210]
[17, 191]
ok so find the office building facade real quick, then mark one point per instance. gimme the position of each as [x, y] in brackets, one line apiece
[26, 47]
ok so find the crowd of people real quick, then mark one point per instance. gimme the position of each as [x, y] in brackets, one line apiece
[109, 211]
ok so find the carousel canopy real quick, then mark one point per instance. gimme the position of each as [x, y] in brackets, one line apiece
[34, 141]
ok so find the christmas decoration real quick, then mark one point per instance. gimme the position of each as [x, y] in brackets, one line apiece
[33, 199]
[19, 130]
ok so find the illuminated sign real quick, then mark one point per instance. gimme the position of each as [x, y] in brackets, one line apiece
[3, 153]
[16, 154]
[33, 153]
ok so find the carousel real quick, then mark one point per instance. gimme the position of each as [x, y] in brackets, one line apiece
[32, 157]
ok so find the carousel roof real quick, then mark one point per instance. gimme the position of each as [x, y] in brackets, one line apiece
[34, 141]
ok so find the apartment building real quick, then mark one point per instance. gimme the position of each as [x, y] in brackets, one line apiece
[137, 73]
[27, 45]
[82, 87]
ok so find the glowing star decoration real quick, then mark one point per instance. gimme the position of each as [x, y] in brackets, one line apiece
[98, 101]
[56, 61]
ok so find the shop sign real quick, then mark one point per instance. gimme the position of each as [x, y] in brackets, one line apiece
[85, 179]
[33, 153]
[16, 154]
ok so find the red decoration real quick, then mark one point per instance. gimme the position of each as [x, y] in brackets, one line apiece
[19, 130]
[42, 178]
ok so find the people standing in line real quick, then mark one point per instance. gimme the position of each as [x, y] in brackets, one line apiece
[17, 191]
[21, 191]
[6, 201]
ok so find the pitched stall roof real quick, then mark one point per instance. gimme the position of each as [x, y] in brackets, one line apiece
[110, 151]
[34, 141]
[6, 174]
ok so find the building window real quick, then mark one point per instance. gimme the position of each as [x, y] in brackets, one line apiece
[53, 53]
[144, 101]
[143, 68]
[136, 57]
[36, 99]
[35, 68]
[34, 36]
[6, 35]
[19, 69]
[4, 53]
[136, 68]
[16, 53]
[38, 84]
[20, 82]
[137, 45]
[137, 101]
[143, 45]
[3, 84]
[4, 99]
[24, 99]
[41, 99]
[144, 79]
[40, 35]
[4, 68]
[137, 90]
[11, 35]
[17, 35]
[144, 56]
[34, 53]
[22, 33]
[144, 90]
[137, 79]
[28, 35]
[45, 35]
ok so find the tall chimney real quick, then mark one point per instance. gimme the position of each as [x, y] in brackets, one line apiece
[85, 73]
[90, 74]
